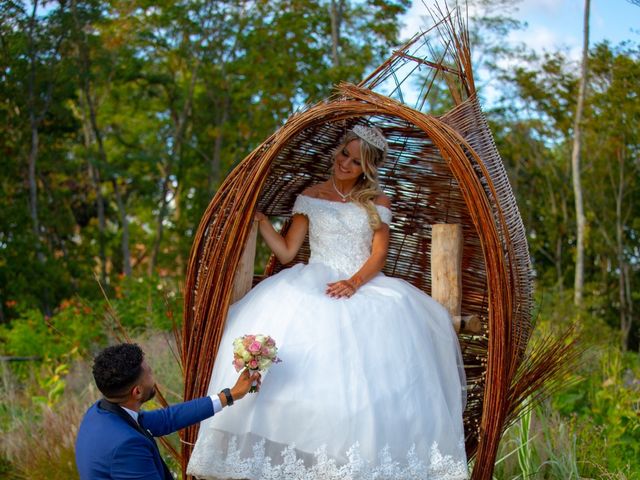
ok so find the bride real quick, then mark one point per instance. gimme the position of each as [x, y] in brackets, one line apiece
[371, 379]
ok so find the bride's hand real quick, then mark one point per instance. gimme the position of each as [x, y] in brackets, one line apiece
[259, 216]
[342, 288]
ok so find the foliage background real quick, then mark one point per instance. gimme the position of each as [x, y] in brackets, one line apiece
[119, 119]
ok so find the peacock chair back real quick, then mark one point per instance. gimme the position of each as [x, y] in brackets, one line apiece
[440, 169]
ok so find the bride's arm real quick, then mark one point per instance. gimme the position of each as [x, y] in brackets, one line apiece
[373, 265]
[285, 248]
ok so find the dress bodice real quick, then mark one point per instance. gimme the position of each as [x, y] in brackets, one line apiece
[339, 233]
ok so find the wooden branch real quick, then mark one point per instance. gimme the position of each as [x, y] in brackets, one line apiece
[437, 66]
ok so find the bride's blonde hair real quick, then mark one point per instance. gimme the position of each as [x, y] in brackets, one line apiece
[366, 188]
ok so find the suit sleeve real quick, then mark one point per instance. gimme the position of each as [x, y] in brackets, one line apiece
[176, 417]
[133, 460]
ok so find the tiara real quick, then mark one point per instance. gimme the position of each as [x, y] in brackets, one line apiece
[371, 135]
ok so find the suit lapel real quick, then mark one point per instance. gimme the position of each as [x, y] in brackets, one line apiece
[118, 410]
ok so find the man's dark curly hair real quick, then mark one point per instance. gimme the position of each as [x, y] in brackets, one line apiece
[117, 368]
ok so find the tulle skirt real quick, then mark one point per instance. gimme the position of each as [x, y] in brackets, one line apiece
[369, 387]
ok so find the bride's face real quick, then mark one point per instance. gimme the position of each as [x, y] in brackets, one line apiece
[347, 164]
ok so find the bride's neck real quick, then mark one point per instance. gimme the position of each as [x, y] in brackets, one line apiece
[345, 186]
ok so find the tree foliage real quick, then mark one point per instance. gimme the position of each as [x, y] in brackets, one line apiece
[120, 120]
[534, 129]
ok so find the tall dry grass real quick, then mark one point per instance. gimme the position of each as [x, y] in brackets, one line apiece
[37, 440]
[544, 445]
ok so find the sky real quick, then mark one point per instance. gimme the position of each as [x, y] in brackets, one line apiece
[551, 25]
[557, 24]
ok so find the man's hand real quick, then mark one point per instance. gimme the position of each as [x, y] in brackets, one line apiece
[243, 384]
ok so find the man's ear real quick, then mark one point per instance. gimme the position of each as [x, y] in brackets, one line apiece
[136, 392]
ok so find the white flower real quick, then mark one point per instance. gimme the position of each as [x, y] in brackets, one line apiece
[264, 364]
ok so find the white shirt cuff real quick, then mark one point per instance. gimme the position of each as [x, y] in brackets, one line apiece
[217, 405]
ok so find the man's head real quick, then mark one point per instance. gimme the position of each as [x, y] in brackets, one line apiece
[122, 375]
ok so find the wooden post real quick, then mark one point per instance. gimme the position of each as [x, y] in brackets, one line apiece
[446, 274]
[243, 279]
[446, 267]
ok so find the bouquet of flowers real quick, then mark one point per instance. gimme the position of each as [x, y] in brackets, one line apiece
[255, 352]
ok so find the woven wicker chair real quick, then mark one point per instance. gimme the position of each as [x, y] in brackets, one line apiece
[442, 169]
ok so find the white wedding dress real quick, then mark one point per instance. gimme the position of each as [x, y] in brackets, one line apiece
[370, 387]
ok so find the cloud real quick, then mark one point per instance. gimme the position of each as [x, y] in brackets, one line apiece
[542, 38]
[414, 20]
[547, 6]
[538, 37]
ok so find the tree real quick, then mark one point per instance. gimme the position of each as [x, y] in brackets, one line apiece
[92, 132]
[575, 164]
[614, 189]
[34, 91]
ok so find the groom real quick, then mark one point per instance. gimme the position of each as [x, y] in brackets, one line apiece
[115, 439]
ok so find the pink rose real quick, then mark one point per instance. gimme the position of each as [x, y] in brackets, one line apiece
[255, 347]
[253, 364]
[238, 364]
[270, 342]
[265, 351]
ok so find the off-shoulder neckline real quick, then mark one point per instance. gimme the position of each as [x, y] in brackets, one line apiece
[337, 202]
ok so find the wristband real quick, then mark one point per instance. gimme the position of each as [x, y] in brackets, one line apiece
[227, 394]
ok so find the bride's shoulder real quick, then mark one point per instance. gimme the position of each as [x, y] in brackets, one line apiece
[383, 201]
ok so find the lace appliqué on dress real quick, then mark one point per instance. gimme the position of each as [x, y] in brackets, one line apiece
[260, 467]
[339, 233]
[305, 207]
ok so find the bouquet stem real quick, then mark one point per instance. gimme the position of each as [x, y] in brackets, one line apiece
[254, 384]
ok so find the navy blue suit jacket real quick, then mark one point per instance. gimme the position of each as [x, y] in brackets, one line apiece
[108, 447]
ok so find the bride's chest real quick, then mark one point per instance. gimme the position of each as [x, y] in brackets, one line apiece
[339, 219]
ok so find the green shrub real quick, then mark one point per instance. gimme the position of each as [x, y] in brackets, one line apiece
[606, 405]
[139, 304]
[146, 302]
[591, 428]
[74, 325]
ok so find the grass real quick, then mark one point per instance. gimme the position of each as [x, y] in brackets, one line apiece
[37, 440]
[591, 430]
